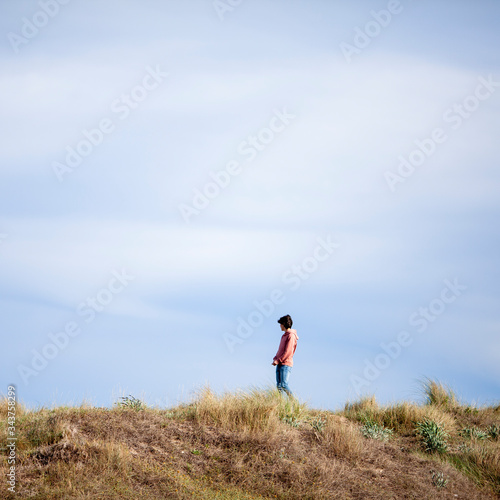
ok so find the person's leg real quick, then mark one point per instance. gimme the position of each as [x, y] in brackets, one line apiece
[285, 375]
[279, 378]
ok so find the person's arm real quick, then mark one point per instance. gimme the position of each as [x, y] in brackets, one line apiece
[285, 350]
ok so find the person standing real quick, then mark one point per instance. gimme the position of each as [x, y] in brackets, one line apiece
[284, 357]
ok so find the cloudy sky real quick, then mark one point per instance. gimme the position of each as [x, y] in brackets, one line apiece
[177, 175]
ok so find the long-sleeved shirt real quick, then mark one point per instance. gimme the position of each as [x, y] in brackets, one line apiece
[287, 347]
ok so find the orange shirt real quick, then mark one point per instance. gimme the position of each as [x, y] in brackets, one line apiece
[287, 347]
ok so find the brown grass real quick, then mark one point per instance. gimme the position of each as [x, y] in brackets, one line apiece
[248, 412]
[437, 393]
[401, 417]
[342, 438]
[247, 445]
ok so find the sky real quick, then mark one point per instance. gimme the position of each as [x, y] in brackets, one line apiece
[177, 175]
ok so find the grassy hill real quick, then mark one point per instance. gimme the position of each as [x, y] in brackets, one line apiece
[257, 445]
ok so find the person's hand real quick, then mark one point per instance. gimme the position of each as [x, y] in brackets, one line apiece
[274, 363]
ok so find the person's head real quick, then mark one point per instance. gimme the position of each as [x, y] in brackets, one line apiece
[285, 322]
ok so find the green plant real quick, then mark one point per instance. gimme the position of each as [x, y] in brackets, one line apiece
[375, 431]
[438, 480]
[433, 436]
[132, 403]
[291, 419]
[290, 412]
[318, 423]
[493, 431]
[473, 432]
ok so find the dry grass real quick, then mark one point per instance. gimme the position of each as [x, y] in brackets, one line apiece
[20, 410]
[478, 459]
[250, 445]
[401, 417]
[342, 438]
[439, 394]
[250, 412]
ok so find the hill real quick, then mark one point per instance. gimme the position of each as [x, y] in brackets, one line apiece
[256, 445]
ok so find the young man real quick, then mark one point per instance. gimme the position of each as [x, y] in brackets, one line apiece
[284, 357]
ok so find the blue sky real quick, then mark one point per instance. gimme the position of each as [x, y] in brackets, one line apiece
[329, 128]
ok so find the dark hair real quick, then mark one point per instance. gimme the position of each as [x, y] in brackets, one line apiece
[286, 321]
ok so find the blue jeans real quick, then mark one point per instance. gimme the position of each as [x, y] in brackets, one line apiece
[282, 376]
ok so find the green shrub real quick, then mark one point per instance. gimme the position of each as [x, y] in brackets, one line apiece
[473, 432]
[131, 402]
[493, 431]
[433, 436]
[375, 431]
[318, 424]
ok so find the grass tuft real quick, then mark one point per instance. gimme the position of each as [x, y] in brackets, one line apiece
[438, 394]
[248, 412]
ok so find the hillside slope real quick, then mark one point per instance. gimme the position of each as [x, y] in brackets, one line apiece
[256, 445]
